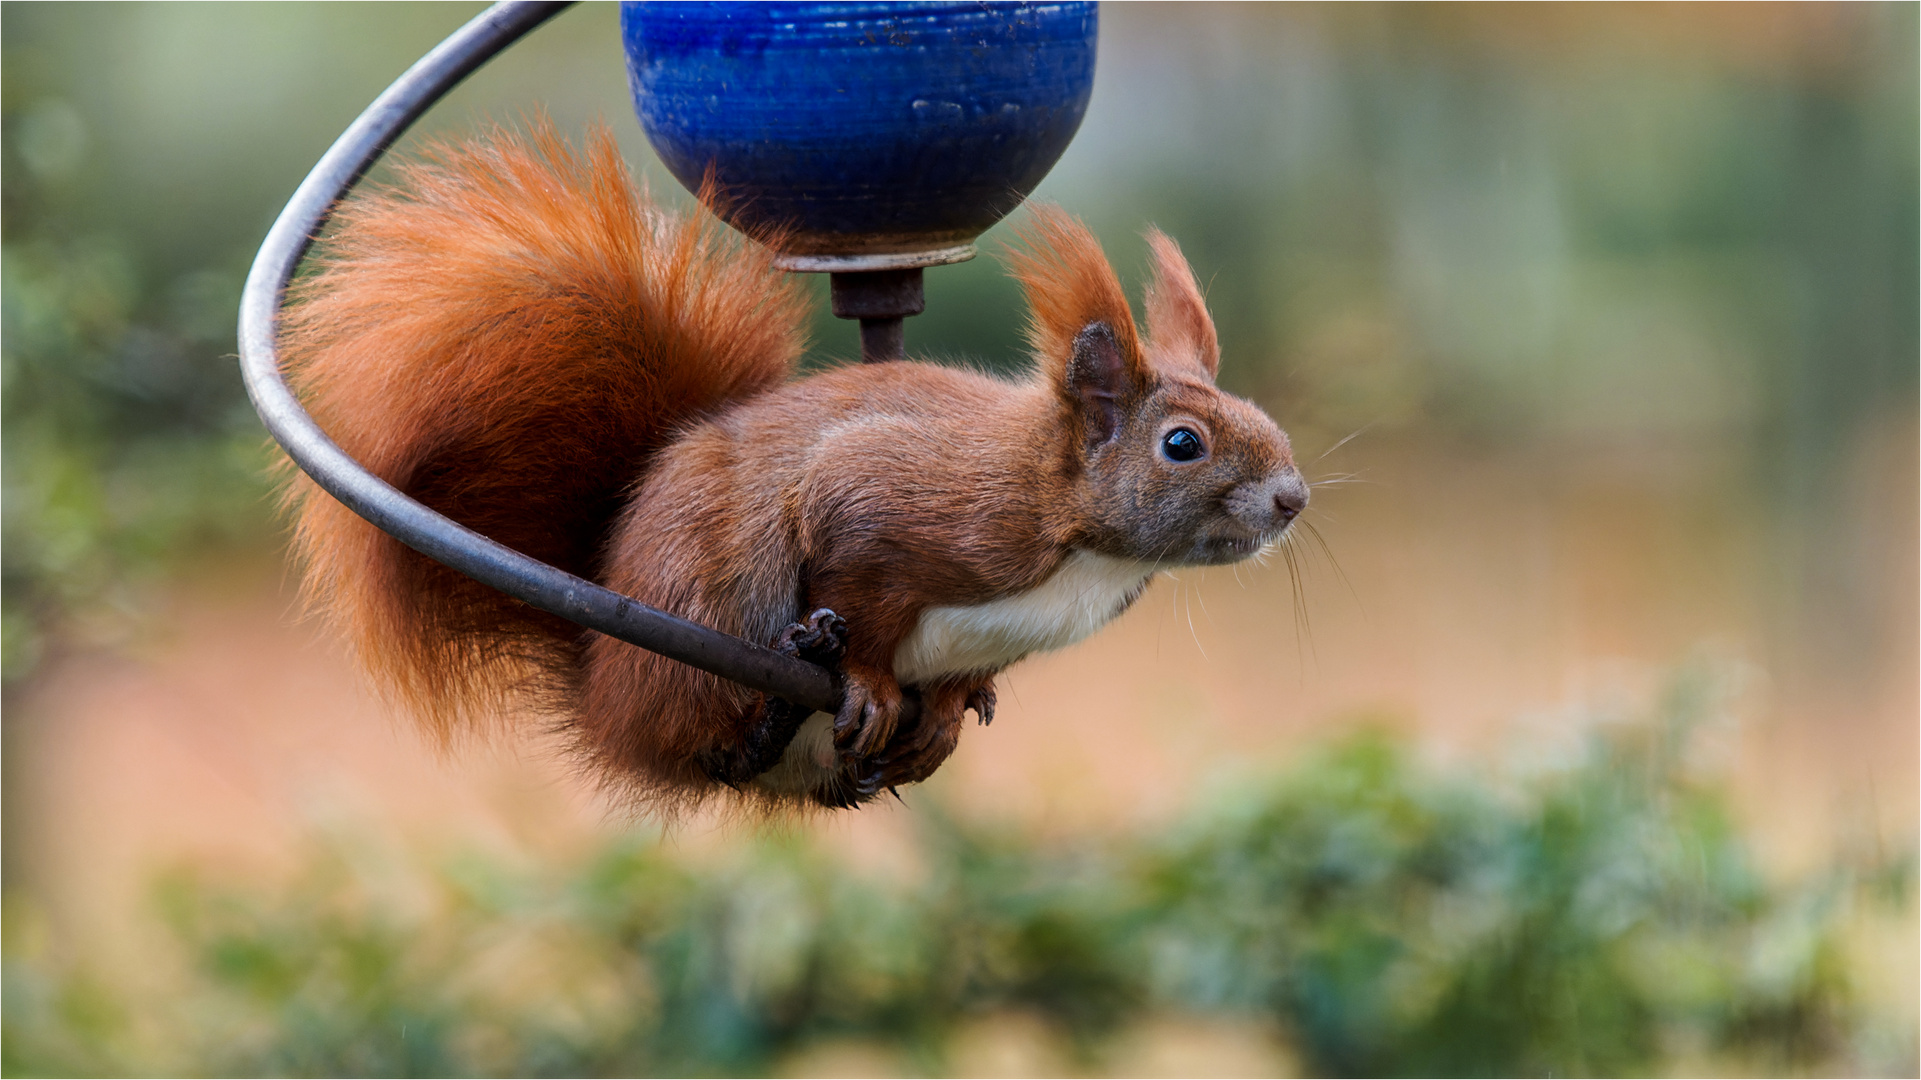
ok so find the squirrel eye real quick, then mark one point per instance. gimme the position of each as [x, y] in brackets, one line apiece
[1182, 445]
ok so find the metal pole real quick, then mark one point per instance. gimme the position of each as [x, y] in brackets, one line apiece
[438, 537]
[882, 300]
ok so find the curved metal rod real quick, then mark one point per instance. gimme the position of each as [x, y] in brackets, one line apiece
[438, 537]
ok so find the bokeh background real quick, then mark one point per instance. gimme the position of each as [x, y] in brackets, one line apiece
[1587, 742]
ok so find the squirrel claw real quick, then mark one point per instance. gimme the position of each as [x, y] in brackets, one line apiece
[867, 715]
[917, 750]
[820, 638]
[869, 784]
[982, 701]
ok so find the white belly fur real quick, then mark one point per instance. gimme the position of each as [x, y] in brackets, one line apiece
[808, 761]
[1079, 598]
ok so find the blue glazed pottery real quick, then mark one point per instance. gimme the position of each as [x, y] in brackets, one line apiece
[874, 135]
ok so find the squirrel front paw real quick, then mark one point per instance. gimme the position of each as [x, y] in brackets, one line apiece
[982, 699]
[820, 638]
[869, 710]
[770, 726]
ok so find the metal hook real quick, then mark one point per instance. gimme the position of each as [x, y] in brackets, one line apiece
[432, 534]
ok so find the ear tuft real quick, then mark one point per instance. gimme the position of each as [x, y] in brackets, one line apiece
[1070, 287]
[1180, 333]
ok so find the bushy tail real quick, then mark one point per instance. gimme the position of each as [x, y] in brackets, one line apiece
[506, 333]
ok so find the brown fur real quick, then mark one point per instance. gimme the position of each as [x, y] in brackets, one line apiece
[506, 334]
[515, 337]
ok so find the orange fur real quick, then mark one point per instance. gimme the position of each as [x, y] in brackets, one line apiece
[514, 336]
[1069, 284]
[507, 334]
[1178, 326]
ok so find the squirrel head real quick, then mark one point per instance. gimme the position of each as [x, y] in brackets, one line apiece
[1164, 466]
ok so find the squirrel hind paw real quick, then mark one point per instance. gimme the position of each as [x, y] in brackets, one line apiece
[870, 709]
[763, 740]
[917, 750]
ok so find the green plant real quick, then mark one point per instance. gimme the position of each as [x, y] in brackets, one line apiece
[1385, 917]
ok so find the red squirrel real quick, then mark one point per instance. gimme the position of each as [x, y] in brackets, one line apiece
[513, 334]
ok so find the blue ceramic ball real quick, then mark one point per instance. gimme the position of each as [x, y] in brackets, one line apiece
[884, 133]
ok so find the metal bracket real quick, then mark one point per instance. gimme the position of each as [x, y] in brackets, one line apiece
[438, 537]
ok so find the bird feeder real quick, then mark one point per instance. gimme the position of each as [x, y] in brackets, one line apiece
[865, 141]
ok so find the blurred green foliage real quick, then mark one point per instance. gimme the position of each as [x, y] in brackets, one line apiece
[145, 150]
[125, 445]
[1602, 917]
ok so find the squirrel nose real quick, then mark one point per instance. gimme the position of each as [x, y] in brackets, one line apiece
[1290, 496]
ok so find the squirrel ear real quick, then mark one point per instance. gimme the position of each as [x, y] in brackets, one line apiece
[1097, 378]
[1072, 292]
[1180, 333]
